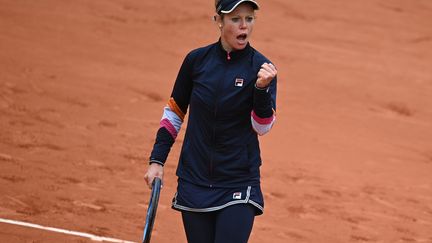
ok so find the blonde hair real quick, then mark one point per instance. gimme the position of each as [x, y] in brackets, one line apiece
[216, 3]
[216, 10]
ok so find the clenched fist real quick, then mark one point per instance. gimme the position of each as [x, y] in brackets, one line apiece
[265, 75]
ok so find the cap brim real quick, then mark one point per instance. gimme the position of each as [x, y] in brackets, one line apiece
[256, 6]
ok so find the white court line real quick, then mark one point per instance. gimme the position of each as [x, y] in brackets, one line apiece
[64, 231]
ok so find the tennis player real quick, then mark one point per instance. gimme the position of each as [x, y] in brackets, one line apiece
[229, 89]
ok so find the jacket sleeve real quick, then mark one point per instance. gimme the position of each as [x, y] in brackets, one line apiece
[263, 114]
[173, 113]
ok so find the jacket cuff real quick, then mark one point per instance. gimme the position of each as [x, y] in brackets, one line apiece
[265, 88]
[162, 146]
[262, 104]
[154, 161]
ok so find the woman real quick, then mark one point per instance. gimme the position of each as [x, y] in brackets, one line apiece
[230, 90]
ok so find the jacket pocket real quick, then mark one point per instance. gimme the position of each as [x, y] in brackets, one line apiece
[231, 161]
[184, 158]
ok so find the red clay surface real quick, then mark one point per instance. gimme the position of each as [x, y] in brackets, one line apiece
[83, 84]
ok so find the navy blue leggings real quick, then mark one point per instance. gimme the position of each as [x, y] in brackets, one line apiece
[232, 224]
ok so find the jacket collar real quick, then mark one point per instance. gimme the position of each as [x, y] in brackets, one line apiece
[233, 55]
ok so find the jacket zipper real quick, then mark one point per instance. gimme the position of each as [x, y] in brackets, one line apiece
[218, 87]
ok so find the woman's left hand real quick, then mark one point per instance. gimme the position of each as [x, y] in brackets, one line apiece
[265, 75]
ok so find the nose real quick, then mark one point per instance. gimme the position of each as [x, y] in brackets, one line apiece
[243, 23]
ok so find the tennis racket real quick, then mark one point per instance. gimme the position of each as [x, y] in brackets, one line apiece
[151, 210]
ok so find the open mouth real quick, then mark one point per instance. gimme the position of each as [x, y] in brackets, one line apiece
[242, 37]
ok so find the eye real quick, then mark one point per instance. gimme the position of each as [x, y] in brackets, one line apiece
[250, 19]
[235, 19]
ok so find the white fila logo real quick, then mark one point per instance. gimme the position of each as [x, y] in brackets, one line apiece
[237, 195]
[239, 82]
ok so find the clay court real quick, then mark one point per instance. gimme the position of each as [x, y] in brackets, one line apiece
[83, 85]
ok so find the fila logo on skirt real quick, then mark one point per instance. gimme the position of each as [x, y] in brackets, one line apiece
[237, 195]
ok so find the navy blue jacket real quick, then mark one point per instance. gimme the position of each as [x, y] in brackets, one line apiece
[220, 147]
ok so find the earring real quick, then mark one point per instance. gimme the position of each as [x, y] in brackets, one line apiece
[220, 26]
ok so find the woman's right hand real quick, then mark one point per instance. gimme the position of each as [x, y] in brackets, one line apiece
[154, 170]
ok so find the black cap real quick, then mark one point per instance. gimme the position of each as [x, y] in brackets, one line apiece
[227, 6]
